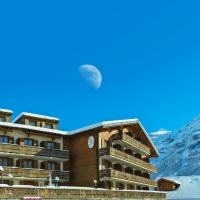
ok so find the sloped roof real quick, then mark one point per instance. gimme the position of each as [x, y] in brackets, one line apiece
[34, 116]
[32, 128]
[169, 179]
[106, 124]
[6, 111]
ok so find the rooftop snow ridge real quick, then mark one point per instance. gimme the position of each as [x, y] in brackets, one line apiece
[6, 111]
[35, 116]
[105, 124]
[35, 128]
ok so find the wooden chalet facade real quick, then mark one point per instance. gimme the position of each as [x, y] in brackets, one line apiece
[112, 155]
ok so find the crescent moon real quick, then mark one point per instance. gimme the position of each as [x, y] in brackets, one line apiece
[92, 75]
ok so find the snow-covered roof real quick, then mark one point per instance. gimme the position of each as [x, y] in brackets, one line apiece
[35, 116]
[169, 179]
[189, 188]
[32, 128]
[106, 124]
[6, 111]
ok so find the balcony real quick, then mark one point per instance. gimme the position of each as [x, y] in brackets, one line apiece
[124, 158]
[109, 174]
[33, 151]
[35, 173]
[123, 138]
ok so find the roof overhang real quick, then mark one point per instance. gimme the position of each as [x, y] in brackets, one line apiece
[6, 111]
[32, 128]
[36, 116]
[108, 124]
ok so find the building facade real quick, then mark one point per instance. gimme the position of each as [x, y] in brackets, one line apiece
[113, 155]
[32, 150]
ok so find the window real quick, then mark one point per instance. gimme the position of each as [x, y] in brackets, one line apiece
[50, 126]
[3, 162]
[51, 166]
[28, 142]
[2, 119]
[32, 123]
[50, 145]
[4, 139]
[28, 164]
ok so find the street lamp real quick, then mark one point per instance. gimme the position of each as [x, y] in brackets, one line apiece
[50, 180]
[57, 179]
[1, 171]
[10, 176]
[95, 183]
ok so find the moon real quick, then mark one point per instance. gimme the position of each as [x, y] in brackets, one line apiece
[92, 75]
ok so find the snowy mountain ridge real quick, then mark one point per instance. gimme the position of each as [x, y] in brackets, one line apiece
[179, 150]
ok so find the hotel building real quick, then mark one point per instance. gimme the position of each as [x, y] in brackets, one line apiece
[113, 155]
[32, 150]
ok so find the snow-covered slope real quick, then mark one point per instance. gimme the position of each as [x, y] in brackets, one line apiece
[179, 150]
[189, 188]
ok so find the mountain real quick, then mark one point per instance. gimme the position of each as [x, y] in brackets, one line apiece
[179, 150]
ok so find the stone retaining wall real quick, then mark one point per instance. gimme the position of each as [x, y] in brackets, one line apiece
[87, 194]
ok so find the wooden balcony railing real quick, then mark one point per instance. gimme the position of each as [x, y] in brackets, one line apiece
[33, 151]
[127, 158]
[133, 142]
[111, 173]
[35, 173]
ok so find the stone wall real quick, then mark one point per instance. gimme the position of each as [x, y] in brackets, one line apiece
[76, 194]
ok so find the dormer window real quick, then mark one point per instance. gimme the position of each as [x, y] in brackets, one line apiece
[49, 126]
[2, 119]
[32, 123]
[4, 139]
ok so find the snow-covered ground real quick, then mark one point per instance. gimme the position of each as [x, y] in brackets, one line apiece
[189, 188]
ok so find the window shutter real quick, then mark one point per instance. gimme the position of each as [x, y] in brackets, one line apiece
[57, 145]
[11, 140]
[42, 165]
[66, 166]
[19, 163]
[10, 162]
[45, 164]
[45, 144]
[35, 143]
[35, 164]
[18, 141]
[58, 166]
[42, 144]
[22, 141]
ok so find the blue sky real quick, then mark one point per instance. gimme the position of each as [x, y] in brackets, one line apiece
[147, 51]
